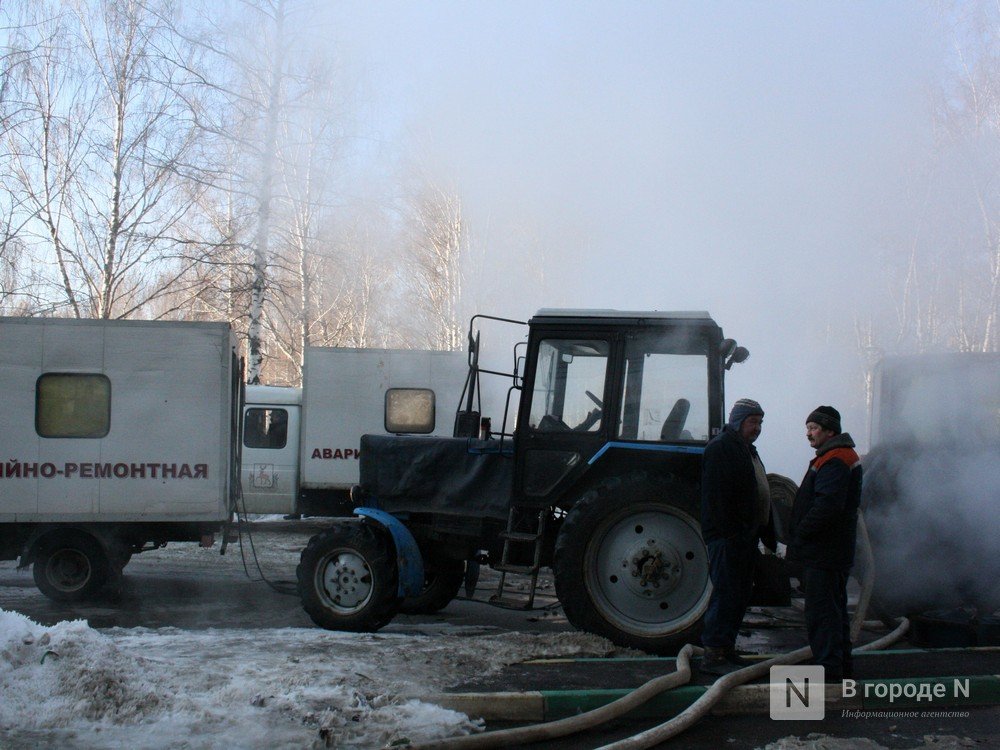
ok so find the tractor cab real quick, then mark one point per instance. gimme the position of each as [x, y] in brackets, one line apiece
[606, 387]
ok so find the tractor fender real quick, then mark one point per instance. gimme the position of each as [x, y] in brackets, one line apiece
[613, 445]
[408, 560]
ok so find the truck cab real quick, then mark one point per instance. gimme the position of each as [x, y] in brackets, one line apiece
[270, 466]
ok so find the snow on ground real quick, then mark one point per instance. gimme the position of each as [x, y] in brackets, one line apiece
[818, 741]
[75, 687]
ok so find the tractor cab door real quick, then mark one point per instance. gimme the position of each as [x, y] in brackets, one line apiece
[654, 392]
[566, 415]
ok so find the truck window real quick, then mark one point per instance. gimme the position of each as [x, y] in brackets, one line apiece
[666, 390]
[409, 410]
[566, 370]
[72, 405]
[265, 428]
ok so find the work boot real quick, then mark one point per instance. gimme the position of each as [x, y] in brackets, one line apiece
[733, 657]
[714, 661]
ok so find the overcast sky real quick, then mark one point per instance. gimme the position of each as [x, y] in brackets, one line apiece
[742, 158]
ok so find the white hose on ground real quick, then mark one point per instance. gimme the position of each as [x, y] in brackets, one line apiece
[889, 639]
[720, 687]
[573, 724]
[867, 579]
[874, 625]
[700, 707]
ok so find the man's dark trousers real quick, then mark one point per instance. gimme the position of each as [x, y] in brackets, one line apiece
[730, 566]
[827, 622]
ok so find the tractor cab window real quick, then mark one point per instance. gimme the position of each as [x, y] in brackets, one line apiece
[569, 385]
[666, 389]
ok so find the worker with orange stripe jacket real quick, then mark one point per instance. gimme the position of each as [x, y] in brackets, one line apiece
[823, 533]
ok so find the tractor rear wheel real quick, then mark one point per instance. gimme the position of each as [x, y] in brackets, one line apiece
[630, 563]
[348, 578]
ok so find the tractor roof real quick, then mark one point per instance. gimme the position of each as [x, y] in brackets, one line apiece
[649, 317]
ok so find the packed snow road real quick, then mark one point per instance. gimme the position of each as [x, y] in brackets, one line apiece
[186, 651]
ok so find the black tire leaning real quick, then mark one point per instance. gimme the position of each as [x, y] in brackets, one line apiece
[783, 492]
[602, 545]
[70, 567]
[443, 578]
[348, 578]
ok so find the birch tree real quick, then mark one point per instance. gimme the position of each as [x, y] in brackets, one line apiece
[17, 48]
[94, 167]
[253, 46]
[944, 276]
[438, 238]
[306, 265]
[970, 114]
[274, 11]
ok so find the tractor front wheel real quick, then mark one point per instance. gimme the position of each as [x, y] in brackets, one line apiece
[630, 564]
[348, 578]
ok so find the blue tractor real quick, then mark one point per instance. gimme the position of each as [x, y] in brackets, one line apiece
[597, 477]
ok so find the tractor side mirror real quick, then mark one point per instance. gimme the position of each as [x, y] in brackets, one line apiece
[738, 355]
[520, 362]
[519, 371]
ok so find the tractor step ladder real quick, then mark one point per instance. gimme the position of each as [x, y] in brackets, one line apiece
[525, 526]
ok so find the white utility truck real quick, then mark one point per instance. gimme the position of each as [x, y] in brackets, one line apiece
[301, 445]
[121, 436]
[117, 437]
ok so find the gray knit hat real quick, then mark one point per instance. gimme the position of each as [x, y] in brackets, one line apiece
[741, 410]
[826, 417]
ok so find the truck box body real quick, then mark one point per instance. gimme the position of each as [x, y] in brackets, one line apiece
[167, 422]
[343, 397]
[309, 463]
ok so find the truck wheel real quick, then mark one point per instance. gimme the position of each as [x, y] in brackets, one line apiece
[442, 581]
[70, 567]
[348, 579]
[630, 565]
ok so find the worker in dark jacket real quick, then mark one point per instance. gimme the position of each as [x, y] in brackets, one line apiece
[735, 512]
[823, 531]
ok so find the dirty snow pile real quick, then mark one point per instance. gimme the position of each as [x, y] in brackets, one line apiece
[75, 687]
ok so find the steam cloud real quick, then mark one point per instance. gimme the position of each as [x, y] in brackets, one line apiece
[932, 484]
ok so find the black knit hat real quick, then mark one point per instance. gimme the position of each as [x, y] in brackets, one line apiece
[826, 417]
[741, 410]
